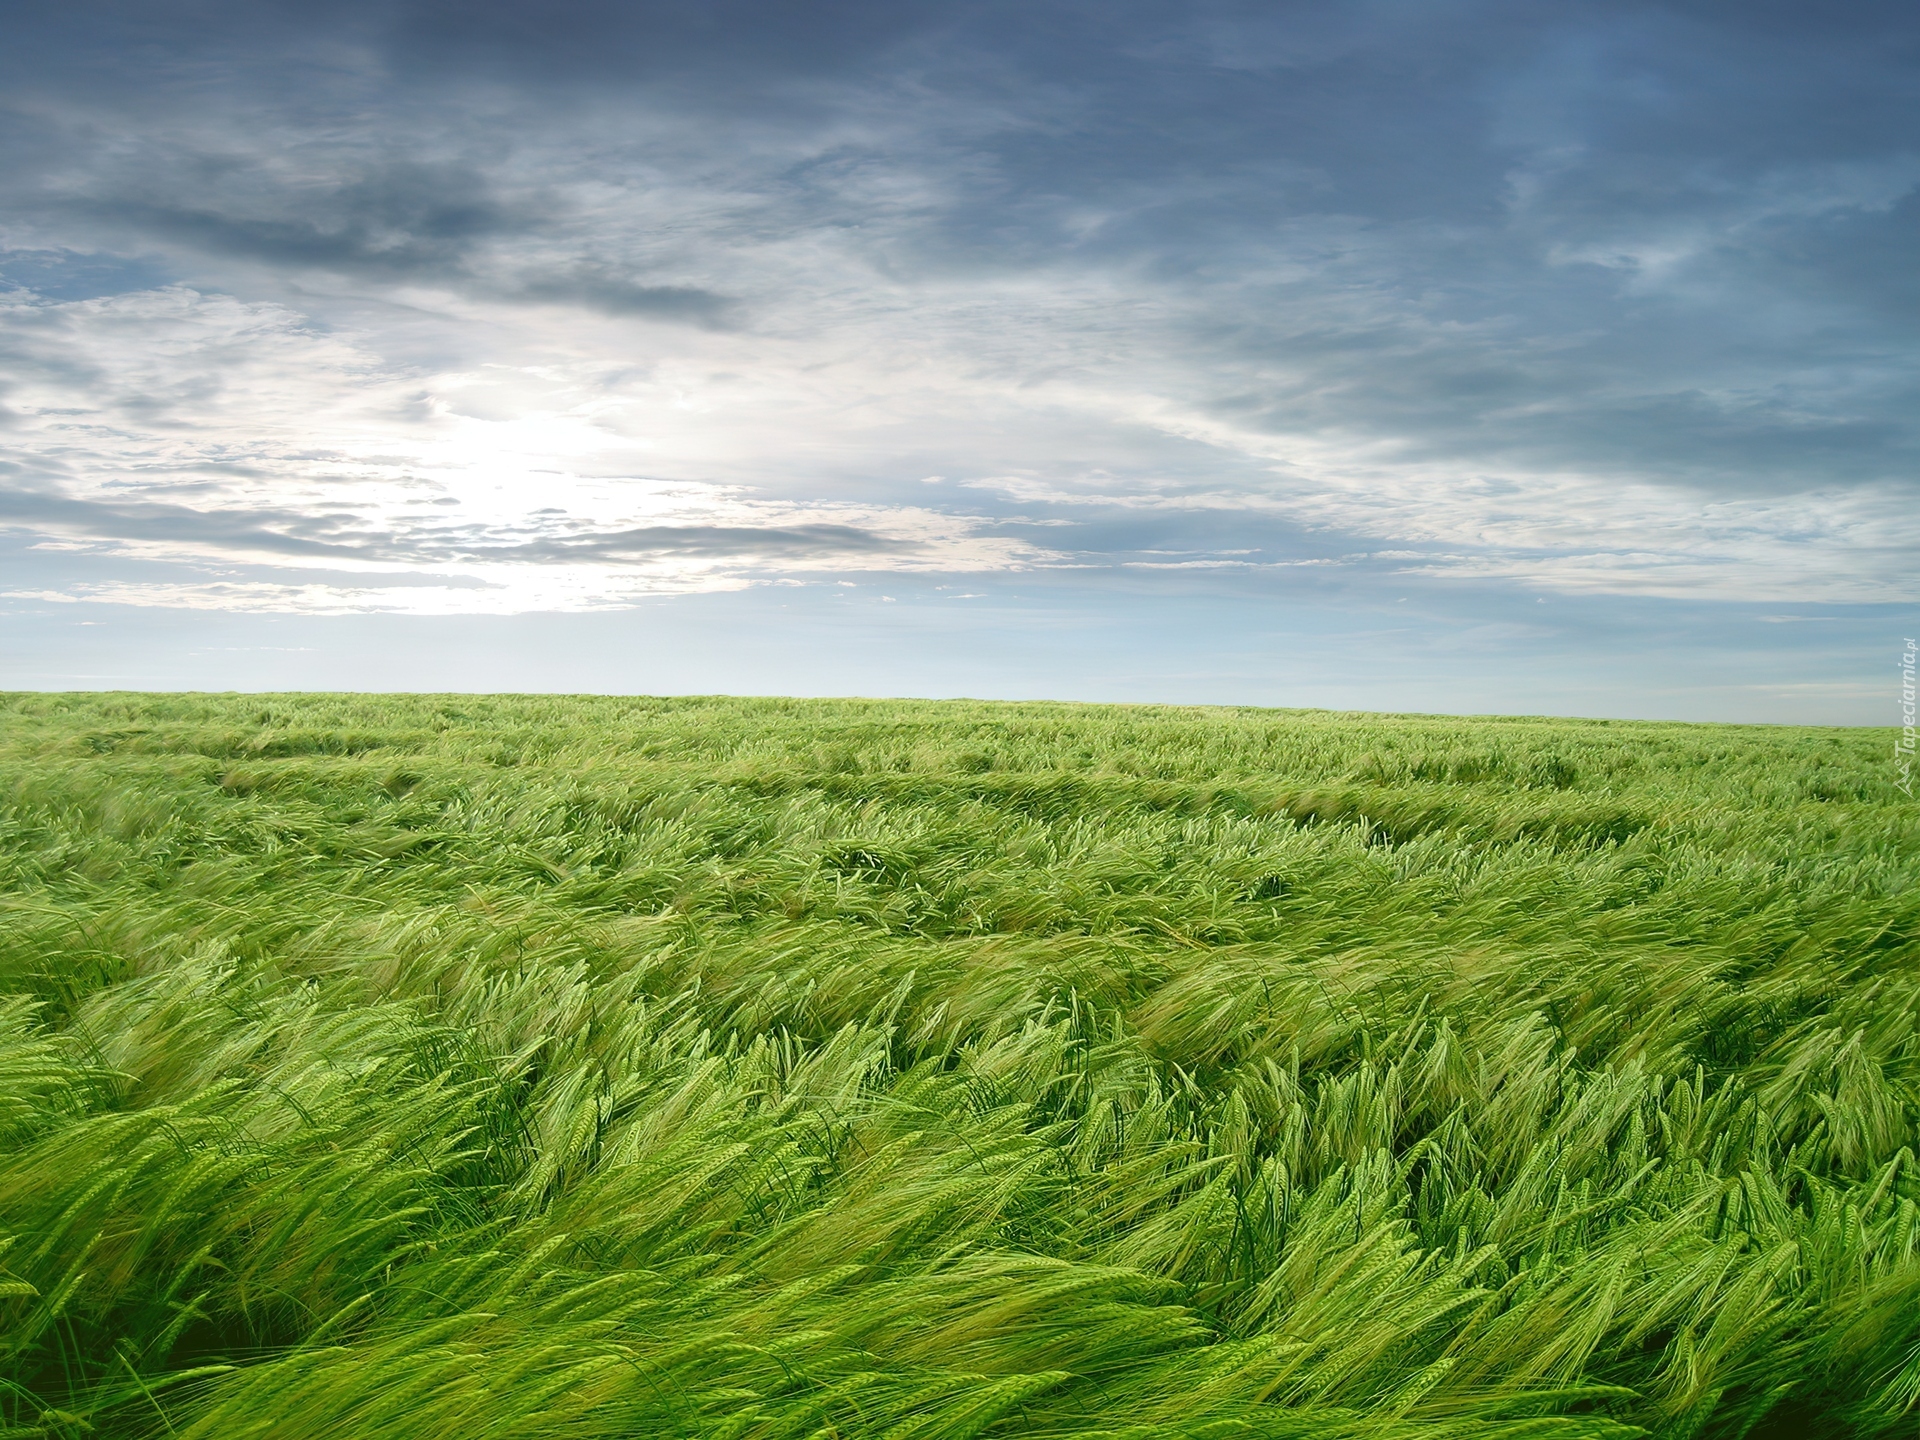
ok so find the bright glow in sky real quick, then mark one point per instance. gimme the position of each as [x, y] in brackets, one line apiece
[1180, 352]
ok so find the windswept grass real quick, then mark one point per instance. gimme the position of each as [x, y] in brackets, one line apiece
[469, 1068]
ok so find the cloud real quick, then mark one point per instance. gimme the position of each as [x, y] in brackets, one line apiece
[174, 429]
[733, 45]
[795, 542]
[600, 288]
[238, 531]
[667, 295]
[437, 223]
[264, 533]
[392, 219]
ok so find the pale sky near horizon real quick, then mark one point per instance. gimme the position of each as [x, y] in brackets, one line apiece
[1449, 356]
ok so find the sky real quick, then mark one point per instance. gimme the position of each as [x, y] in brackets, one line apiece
[1414, 355]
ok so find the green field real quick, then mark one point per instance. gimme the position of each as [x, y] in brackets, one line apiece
[472, 1068]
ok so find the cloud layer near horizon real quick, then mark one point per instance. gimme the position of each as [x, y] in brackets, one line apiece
[486, 309]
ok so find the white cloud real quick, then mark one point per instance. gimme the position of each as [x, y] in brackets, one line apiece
[1567, 532]
[199, 431]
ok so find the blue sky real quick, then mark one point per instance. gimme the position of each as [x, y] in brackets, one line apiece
[1415, 356]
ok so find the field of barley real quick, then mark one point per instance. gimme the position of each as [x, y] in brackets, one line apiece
[456, 1068]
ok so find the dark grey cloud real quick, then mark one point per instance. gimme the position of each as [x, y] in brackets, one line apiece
[398, 219]
[618, 42]
[603, 288]
[345, 536]
[274, 532]
[1763, 423]
[439, 222]
[770, 543]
